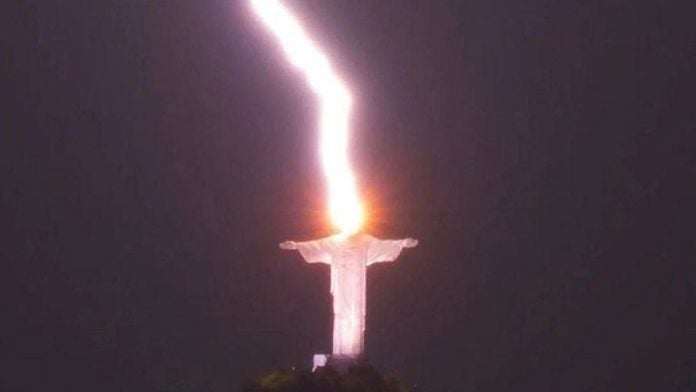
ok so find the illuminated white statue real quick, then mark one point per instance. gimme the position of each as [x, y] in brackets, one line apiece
[349, 257]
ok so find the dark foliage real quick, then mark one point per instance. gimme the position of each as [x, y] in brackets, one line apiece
[361, 378]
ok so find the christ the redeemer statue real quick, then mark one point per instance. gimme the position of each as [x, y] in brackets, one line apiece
[349, 257]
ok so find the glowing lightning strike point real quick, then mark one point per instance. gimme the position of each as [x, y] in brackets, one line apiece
[345, 209]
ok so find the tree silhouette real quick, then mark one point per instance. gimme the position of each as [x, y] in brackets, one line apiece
[359, 378]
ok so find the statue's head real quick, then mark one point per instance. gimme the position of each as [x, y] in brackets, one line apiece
[346, 213]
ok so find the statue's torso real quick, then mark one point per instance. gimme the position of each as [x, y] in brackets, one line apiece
[348, 275]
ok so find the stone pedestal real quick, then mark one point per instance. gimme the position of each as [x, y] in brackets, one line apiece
[319, 360]
[340, 363]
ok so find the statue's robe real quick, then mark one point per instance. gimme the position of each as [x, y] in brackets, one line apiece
[349, 258]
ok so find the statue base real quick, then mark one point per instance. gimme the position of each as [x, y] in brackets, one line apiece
[340, 363]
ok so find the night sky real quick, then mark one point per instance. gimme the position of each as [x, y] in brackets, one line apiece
[154, 153]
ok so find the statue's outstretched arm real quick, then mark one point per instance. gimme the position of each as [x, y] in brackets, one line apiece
[312, 251]
[409, 242]
[388, 250]
[288, 245]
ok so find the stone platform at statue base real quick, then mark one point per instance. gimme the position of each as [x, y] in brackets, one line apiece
[340, 363]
